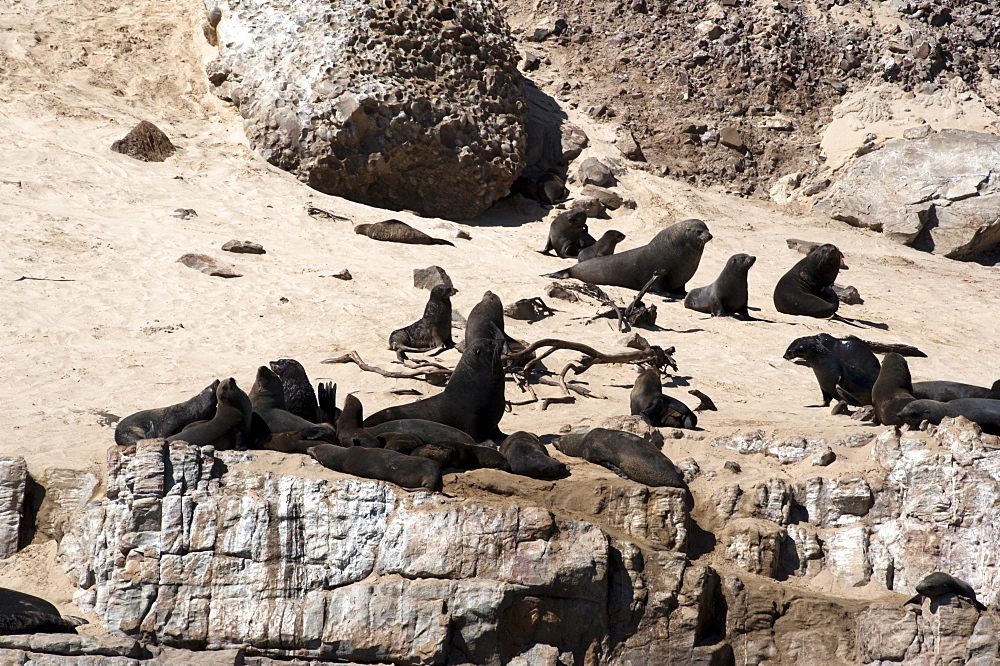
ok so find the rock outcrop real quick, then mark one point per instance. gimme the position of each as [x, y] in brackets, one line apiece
[940, 193]
[13, 482]
[385, 103]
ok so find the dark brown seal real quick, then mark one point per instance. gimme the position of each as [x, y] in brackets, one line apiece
[943, 391]
[166, 421]
[982, 411]
[568, 234]
[625, 453]
[267, 395]
[380, 464]
[676, 251]
[807, 289]
[427, 431]
[472, 400]
[845, 369]
[396, 231]
[350, 432]
[939, 584]
[648, 400]
[486, 322]
[892, 390]
[22, 613]
[432, 330]
[300, 398]
[297, 441]
[528, 457]
[459, 455]
[728, 295]
[605, 245]
[229, 428]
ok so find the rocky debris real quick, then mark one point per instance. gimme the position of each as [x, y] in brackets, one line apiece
[787, 450]
[430, 277]
[382, 103]
[940, 193]
[13, 484]
[451, 230]
[244, 247]
[344, 275]
[208, 266]
[66, 490]
[71, 645]
[145, 142]
[528, 309]
[848, 294]
[595, 172]
[608, 198]
[184, 213]
[628, 146]
[592, 206]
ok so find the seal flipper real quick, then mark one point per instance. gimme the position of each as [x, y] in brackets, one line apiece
[327, 398]
[916, 599]
[441, 241]
[559, 275]
[848, 397]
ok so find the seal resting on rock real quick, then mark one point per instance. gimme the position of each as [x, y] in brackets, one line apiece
[605, 245]
[267, 396]
[426, 431]
[472, 400]
[229, 428]
[300, 398]
[939, 584]
[349, 429]
[982, 411]
[676, 251]
[728, 295]
[297, 441]
[568, 234]
[396, 231]
[22, 613]
[432, 330]
[892, 390]
[943, 391]
[807, 289]
[661, 411]
[408, 472]
[625, 453]
[527, 457]
[166, 421]
[844, 368]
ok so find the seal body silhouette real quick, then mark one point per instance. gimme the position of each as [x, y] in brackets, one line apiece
[486, 321]
[845, 369]
[623, 452]
[728, 295]
[229, 428]
[893, 389]
[568, 234]
[604, 246]
[350, 432]
[396, 231]
[984, 412]
[661, 411]
[425, 431]
[300, 398]
[528, 457]
[22, 613]
[433, 329]
[807, 289]
[943, 391]
[380, 464]
[166, 421]
[939, 584]
[267, 395]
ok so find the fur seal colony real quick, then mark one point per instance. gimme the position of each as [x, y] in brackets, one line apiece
[166, 421]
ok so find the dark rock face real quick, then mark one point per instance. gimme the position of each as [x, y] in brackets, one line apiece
[145, 142]
[383, 103]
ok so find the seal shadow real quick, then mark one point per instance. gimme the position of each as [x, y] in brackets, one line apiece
[700, 541]
[677, 381]
[861, 323]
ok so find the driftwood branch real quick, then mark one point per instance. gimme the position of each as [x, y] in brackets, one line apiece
[653, 355]
[424, 371]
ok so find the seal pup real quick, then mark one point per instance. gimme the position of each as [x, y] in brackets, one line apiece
[166, 421]
[943, 391]
[568, 234]
[459, 455]
[426, 431]
[728, 295]
[604, 246]
[22, 613]
[267, 396]
[230, 427]
[807, 289]
[892, 390]
[472, 400]
[396, 231]
[486, 321]
[845, 369]
[675, 250]
[623, 452]
[661, 411]
[349, 429]
[528, 457]
[982, 411]
[300, 398]
[297, 441]
[939, 584]
[432, 330]
[409, 472]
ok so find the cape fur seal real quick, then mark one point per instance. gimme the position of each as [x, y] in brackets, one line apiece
[486, 321]
[297, 441]
[167, 421]
[728, 295]
[892, 390]
[675, 250]
[349, 429]
[267, 395]
[22, 613]
[229, 428]
[380, 464]
[939, 584]
[528, 457]
[568, 234]
[605, 245]
[432, 330]
[982, 411]
[845, 369]
[396, 231]
[661, 411]
[943, 391]
[472, 400]
[427, 431]
[807, 289]
[300, 398]
[623, 452]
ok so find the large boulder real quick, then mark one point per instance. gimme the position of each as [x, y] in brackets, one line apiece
[940, 193]
[385, 103]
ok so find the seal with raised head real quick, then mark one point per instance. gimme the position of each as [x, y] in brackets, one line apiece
[472, 400]
[397, 231]
[845, 369]
[22, 613]
[660, 410]
[676, 251]
[486, 322]
[350, 432]
[432, 330]
[982, 411]
[605, 245]
[625, 453]
[728, 295]
[229, 428]
[943, 391]
[893, 389]
[939, 584]
[807, 289]
[300, 398]
[267, 395]
[166, 421]
[427, 431]
[528, 457]
[568, 234]
[383, 465]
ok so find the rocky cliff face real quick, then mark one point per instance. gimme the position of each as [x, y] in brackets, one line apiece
[198, 549]
[379, 102]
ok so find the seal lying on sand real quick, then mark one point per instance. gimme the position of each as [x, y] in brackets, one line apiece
[807, 289]
[605, 245]
[939, 584]
[527, 457]
[844, 368]
[676, 251]
[432, 330]
[403, 470]
[396, 231]
[893, 389]
[229, 428]
[462, 456]
[661, 411]
[981, 411]
[728, 295]
[166, 421]
[472, 400]
[22, 613]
